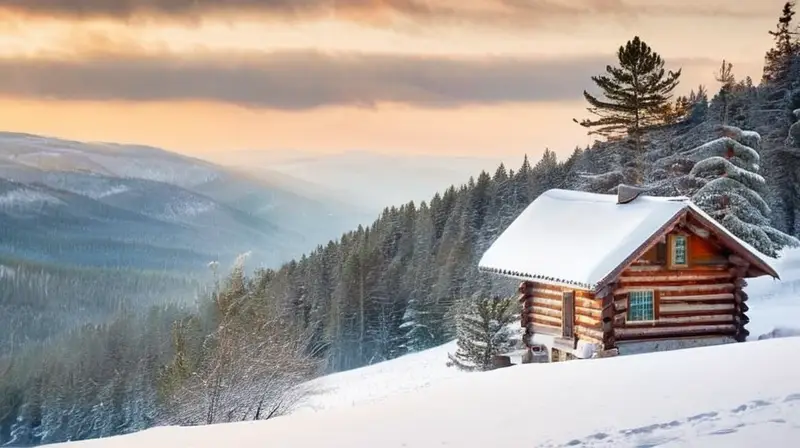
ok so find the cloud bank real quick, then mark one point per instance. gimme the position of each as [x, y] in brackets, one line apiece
[460, 11]
[302, 80]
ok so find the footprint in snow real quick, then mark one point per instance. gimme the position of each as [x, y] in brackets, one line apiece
[653, 443]
[641, 430]
[724, 431]
[792, 397]
[740, 408]
[702, 417]
[599, 436]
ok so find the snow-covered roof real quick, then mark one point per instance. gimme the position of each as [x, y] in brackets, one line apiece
[580, 239]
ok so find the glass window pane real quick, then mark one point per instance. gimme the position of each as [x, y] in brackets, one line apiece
[679, 250]
[640, 306]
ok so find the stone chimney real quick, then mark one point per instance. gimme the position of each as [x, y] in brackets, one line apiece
[627, 193]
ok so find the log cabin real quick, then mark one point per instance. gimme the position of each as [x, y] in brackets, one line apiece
[606, 275]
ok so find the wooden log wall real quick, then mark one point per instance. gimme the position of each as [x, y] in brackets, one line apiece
[541, 311]
[738, 270]
[526, 300]
[694, 301]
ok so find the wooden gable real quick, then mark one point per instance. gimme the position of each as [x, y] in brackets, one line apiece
[701, 251]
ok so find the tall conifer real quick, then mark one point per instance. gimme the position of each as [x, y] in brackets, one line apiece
[635, 93]
[778, 61]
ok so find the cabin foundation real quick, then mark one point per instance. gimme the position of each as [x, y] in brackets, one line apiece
[639, 347]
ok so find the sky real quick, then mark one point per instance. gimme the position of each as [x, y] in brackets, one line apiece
[219, 79]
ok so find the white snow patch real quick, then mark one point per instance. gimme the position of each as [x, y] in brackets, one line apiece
[577, 238]
[566, 236]
[585, 349]
[118, 189]
[376, 382]
[186, 209]
[23, 197]
[775, 304]
[725, 396]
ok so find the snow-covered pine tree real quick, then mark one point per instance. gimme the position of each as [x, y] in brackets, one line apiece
[786, 177]
[731, 189]
[483, 332]
[418, 335]
[419, 315]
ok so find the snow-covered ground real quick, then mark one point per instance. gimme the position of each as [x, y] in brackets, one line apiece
[739, 395]
[376, 382]
[776, 304]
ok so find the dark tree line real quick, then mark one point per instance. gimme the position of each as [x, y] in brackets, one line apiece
[395, 286]
[39, 301]
[232, 356]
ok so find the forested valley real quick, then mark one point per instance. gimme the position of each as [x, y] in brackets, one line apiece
[245, 348]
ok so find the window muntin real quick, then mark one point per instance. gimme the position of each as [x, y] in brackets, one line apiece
[679, 250]
[641, 306]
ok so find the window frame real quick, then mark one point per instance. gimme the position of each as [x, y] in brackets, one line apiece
[653, 304]
[673, 247]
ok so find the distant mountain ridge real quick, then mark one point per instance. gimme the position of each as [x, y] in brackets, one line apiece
[105, 204]
[376, 180]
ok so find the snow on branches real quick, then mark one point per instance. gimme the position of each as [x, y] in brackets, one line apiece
[730, 188]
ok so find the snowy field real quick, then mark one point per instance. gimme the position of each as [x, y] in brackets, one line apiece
[740, 395]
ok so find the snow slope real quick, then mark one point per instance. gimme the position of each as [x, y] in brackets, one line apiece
[775, 305]
[378, 381]
[91, 196]
[738, 395]
[726, 396]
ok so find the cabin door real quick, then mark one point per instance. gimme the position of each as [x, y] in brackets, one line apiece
[568, 314]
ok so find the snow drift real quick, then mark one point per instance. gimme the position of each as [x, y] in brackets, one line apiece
[726, 396]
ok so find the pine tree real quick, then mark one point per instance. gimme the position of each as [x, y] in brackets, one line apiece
[418, 318]
[634, 94]
[731, 189]
[682, 110]
[698, 104]
[726, 78]
[778, 61]
[483, 332]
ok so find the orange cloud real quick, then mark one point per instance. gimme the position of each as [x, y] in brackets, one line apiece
[475, 12]
[301, 80]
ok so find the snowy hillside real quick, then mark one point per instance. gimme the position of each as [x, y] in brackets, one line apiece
[376, 382]
[100, 199]
[728, 396]
[725, 396]
[135, 161]
[775, 305]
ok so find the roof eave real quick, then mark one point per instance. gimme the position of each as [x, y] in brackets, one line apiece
[737, 247]
[538, 278]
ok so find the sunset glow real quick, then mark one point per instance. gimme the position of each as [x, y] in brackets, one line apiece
[466, 78]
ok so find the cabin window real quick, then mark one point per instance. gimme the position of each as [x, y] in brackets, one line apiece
[641, 306]
[679, 252]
